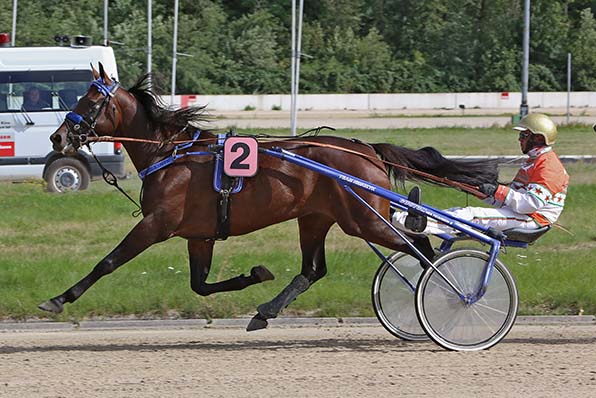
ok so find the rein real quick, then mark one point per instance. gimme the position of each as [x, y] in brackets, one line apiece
[442, 180]
[112, 180]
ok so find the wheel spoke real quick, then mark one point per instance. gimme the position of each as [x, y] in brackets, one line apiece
[458, 326]
[393, 299]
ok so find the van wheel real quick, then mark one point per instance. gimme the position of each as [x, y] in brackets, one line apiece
[67, 174]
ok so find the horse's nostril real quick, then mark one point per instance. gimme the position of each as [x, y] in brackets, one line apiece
[55, 138]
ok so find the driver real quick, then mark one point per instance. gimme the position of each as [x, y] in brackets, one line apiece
[32, 100]
[534, 199]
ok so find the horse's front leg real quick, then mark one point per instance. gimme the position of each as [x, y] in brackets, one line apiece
[200, 253]
[144, 234]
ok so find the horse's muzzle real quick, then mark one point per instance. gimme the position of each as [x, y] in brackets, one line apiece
[61, 142]
[58, 141]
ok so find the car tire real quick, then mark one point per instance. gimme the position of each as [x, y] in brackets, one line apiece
[67, 175]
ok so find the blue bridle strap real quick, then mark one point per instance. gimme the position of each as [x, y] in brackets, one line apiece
[103, 88]
[74, 117]
[175, 156]
[106, 90]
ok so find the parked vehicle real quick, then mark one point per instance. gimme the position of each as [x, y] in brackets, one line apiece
[38, 86]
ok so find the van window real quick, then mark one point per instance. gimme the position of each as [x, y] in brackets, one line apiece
[42, 90]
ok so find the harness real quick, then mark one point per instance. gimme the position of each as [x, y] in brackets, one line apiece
[222, 183]
[80, 126]
[174, 156]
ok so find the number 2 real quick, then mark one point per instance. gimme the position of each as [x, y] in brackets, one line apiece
[237, 163]
[240, 156]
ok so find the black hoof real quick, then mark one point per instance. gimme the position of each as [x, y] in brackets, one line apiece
[256, 323]
[52, 305]
[261, 273]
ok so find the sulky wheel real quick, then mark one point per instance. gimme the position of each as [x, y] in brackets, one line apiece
[393, 299]
[452, 323]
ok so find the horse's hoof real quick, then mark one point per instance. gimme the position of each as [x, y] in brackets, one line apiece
[261, 273]
[256, 323]
[51, 306]
[267, 310]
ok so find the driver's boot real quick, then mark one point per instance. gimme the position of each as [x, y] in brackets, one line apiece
[415, 221]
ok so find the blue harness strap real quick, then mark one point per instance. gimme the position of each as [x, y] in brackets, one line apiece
[175, 156]
[218, 172]
[103, 88]
[106, 90]
[74, 117]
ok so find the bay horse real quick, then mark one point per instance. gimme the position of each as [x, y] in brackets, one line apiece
[179, 200]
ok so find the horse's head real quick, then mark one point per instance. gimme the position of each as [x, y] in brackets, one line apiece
[95, 114]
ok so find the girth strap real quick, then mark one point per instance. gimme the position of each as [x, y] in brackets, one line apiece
[223, 212]
[226, 186]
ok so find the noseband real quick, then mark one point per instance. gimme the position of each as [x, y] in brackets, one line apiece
[81, 126]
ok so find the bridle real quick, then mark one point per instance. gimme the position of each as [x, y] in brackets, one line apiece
[80, 127]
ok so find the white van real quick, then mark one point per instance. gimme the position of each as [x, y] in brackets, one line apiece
[57, 77]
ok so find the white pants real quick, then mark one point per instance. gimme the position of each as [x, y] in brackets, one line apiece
[500, 219]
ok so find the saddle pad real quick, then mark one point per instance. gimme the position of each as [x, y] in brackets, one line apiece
[218, 170]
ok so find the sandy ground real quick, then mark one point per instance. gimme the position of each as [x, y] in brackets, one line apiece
[360, 361]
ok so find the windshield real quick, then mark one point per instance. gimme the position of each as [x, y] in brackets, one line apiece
[42, 90]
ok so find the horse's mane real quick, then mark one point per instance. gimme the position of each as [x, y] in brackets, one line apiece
[160, 115]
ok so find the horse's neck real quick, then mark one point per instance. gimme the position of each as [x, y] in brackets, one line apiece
[142, 154]
[139, 126]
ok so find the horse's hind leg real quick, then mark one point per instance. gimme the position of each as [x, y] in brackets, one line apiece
[313, 230]
[200, 255]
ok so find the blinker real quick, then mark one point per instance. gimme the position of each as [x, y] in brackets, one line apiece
[74, 117]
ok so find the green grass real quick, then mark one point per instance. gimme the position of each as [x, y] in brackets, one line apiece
[48, 242]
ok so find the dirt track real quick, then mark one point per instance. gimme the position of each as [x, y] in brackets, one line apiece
[292, 362]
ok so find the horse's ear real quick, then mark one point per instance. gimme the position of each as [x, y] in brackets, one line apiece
[104, 76]
[95, 72]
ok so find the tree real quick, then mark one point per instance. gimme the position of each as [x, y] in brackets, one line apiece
[250, 62]
[584, 56]
[243, 46]
[548, 46]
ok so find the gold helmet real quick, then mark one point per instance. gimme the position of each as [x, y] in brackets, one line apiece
[539, 123]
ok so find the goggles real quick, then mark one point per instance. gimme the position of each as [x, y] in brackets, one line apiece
[524, 134]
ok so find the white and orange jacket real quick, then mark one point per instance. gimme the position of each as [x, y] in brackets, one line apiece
[539, 189]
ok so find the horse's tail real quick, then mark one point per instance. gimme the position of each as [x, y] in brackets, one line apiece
[428, 160]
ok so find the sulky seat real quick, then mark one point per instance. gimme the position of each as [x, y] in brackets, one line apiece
[525, 235]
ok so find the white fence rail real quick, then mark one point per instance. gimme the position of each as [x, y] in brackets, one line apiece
[374, 102]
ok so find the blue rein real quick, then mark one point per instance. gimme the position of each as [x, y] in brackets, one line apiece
[175, 156]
